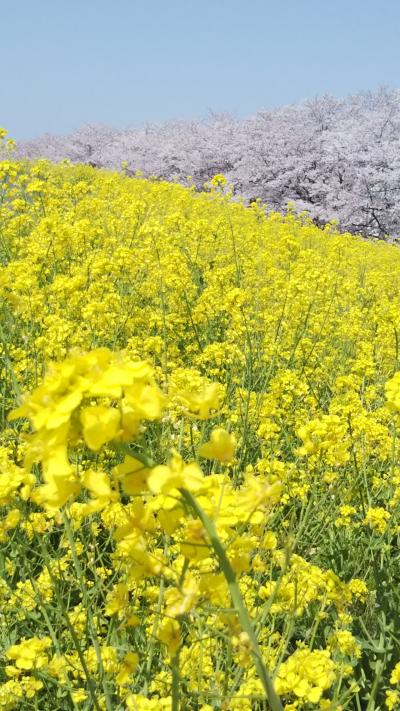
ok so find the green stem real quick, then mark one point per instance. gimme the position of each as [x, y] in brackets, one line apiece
[50, 628]
[90, 681]
[86, 601]
[154, 633]
[175, 683]
[237, 600]
[375, 686]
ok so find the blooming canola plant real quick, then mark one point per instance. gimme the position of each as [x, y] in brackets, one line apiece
[200, 489]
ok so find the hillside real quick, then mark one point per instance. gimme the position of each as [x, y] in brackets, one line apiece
[200, 491]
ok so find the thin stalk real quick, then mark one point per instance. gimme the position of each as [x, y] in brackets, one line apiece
[87, 604]
[154, 633]
[50, 627]
[237, 600]
[375, 686]
[90, 682]
[175, 691]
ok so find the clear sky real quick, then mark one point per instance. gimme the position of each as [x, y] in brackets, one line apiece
[65, 63]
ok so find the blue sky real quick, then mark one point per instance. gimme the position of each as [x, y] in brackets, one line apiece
[65, 63]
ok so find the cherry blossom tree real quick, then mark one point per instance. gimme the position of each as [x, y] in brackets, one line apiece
[335, 158]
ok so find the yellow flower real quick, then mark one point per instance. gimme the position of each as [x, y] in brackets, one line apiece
[117, 601]
[392, 700]
[199, 398]
[79, 695]
[100, 425]
[60, 479]
[132, 475]
[242, 649]
[222, 446]
[392, 391]
[218, 180]
[126, 668]
[358, 589]
[306, 674]
[377, 517]
[169, 633]
[194, 545]
[50, 406]
[395, 675]
[180, 601]
[30, 686]
[344, 641]
[325, 435]
[163, 479]
[98, 483]
[30, 653]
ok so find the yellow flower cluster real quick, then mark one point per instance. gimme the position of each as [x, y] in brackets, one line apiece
[327, 435]
[306, 674]
[59, 411]
[199, 488]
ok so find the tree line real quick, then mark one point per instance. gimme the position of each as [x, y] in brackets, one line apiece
[335, 158]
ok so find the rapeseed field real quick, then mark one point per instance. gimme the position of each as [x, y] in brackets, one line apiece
[200, 473]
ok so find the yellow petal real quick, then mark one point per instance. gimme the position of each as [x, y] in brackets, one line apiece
[222, 446]
[100, 425]
[97, 482]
